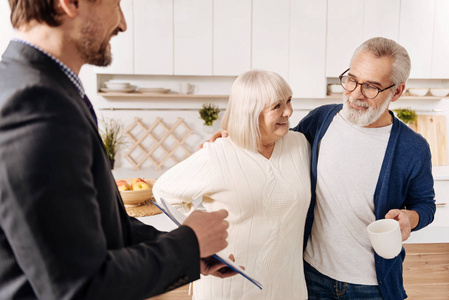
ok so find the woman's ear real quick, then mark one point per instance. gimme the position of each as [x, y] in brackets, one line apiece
[67, 7]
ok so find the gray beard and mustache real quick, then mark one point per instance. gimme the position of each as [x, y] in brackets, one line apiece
[363, 117]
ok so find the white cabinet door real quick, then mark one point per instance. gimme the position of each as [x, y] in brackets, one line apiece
[416, 34]
[6, 30]
[344, 33]
[381, 18]
[440, 51]
[308, 48]
[193, 37]
[153, 42]
[231, 37]
[270, 36]
[122, 46]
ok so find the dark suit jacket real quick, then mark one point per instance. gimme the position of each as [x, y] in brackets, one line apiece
[64, 232]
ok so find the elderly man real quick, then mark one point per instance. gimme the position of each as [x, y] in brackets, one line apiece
[366, 165]
[64, 232]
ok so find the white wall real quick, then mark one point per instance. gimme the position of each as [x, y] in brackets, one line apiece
[6, 30]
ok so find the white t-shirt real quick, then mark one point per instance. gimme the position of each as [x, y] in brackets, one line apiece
[349, 163]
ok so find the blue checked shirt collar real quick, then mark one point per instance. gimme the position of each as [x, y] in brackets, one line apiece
[67, 71]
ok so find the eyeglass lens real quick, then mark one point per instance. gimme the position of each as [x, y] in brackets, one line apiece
[367, 90]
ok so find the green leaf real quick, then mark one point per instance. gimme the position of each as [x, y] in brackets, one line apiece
[407, 115]
[209, 113]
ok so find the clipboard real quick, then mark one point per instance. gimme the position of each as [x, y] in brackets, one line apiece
[178, 218]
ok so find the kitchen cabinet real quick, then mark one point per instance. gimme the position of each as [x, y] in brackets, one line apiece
[344, 34]
[381, 18]
[438, 230]
[306, 42]
[6, 30]
[421, 26]
[193, 37]
[153, 31]
[307, 49]
[270, 36]
[440, 50]
[416, 34]
[350, 23]
[122, 46]
[231, 37]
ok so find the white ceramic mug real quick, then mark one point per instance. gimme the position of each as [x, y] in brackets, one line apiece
[385, 236]
[188, 88]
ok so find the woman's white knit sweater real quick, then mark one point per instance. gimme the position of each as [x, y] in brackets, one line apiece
[267, 201]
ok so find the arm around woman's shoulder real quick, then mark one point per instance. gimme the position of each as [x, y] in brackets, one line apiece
[315, 119]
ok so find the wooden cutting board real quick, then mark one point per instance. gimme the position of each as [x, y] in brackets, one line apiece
[433, 129]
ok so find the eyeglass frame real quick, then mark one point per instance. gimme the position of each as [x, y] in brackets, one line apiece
[361, 86]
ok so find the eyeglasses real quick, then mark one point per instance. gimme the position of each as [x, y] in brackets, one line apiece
[368, 90]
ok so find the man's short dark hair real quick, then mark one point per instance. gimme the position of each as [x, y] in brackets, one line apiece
[25, 11]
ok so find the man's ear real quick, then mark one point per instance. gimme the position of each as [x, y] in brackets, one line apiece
[398, 92]
[67, 7]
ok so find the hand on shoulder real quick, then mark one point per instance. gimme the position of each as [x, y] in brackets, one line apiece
[216, 135]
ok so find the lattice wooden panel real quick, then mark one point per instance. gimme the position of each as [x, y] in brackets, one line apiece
[155, 142]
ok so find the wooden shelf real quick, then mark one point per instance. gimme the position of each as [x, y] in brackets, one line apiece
[154, 95]
[339, 96]
[181, 96]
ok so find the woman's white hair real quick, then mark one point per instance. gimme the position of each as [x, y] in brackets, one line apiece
[381, 47]
[252, 92]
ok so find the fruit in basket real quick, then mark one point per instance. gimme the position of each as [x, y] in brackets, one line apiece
[139, 191]
[138, 179]
[139, 184]
[122, 185]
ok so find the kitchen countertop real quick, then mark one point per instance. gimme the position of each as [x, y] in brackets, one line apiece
[436, 232]
[440, 172]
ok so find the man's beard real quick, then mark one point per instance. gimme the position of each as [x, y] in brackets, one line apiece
[363, 117]
[91, 50]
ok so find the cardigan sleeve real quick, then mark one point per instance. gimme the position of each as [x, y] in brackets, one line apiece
[406, 175]
[185, 182]
[420, 196]
[307, 126]
[316, 120]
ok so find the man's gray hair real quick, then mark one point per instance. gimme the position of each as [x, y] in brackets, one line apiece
[382, 47]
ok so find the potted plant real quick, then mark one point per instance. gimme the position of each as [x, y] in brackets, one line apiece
[406, 115]
[209, 113]
[112, 138]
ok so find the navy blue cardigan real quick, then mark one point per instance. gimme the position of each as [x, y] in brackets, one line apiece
[405, 181]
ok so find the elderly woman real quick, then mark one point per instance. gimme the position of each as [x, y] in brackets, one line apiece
[260, 174]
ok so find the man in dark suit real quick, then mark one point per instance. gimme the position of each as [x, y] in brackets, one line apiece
[64, 232]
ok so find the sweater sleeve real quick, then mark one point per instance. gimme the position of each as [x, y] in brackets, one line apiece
[185, 182]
